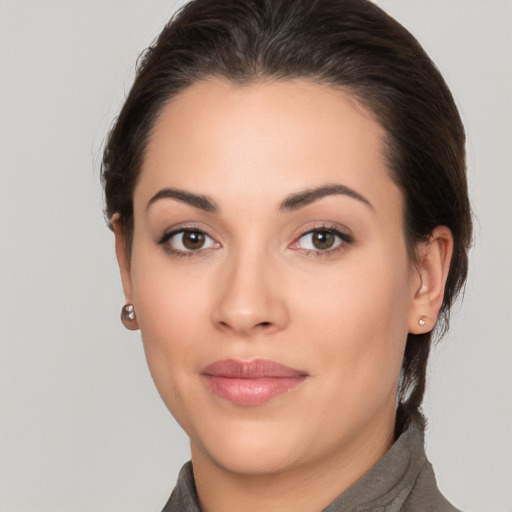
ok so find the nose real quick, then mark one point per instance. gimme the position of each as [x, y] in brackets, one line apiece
[251, 297]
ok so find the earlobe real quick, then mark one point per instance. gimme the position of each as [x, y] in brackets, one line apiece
[123, 257]
[433, 265]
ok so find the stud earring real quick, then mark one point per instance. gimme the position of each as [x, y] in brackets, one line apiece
[129, 312]
[128, 317]
[421, 322]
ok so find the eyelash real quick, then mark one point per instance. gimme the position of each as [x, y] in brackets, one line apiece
[344, 241]
[184, 253]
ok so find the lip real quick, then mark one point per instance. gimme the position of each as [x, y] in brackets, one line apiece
[251, 383]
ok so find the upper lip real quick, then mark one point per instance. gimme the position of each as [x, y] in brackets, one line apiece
[254, 369]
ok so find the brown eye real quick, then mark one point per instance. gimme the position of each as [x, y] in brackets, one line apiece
[193, 240]
[323, 240]
[188, 241]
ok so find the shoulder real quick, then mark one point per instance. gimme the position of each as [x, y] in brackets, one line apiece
[425, 495]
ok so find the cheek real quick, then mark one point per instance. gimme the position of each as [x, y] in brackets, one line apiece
[358, 315]
[168, 305]
[167, 295]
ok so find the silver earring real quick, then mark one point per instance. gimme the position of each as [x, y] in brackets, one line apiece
[129, 312]
[128, 317]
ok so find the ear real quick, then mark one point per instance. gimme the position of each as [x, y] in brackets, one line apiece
[123, 257]
[432, 266]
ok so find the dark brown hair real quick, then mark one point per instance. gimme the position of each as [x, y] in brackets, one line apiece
[350, 45]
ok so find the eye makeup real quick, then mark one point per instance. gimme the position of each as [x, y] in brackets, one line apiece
[322, 240]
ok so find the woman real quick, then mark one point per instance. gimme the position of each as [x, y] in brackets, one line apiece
[286, 184]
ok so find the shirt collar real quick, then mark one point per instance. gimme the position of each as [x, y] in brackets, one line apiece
[384, 488]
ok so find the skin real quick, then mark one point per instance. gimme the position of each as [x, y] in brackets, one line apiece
[258, 288]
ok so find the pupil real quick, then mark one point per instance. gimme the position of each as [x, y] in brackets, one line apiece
[323, 240]
[193, 239]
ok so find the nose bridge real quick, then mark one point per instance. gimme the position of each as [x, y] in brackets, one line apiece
[250, 298]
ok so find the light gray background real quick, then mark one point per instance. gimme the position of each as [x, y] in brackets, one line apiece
[81, 425]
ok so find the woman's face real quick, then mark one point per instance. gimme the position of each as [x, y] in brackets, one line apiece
[270, 275]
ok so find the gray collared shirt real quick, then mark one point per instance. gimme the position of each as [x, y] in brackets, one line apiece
[402, 481]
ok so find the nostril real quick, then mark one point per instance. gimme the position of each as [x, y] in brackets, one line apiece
[264, 324]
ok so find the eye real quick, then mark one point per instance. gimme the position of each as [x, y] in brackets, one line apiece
[188, 240]
[322, 240]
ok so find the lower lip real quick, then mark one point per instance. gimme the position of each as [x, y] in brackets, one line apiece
[250, 392]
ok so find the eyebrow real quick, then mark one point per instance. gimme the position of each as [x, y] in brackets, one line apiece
[197, 201]
[300, 199]
[291, 203]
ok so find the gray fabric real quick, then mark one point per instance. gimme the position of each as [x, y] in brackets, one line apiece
[402, 481]
[184, 496]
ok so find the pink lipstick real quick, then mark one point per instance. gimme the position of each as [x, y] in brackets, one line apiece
[250, 383]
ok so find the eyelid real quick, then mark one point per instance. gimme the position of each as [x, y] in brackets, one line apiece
[345, 238]
[184, 228]
[344, 235]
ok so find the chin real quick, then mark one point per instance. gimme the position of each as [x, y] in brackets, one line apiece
[260, 450]
[254, 462]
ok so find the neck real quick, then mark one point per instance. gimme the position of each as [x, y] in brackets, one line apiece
[304, 488]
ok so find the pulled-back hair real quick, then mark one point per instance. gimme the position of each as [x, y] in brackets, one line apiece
[351, 45]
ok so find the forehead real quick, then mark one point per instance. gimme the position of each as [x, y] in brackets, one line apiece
[265, 139]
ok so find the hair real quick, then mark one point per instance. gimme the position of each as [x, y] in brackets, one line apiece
[350, 45]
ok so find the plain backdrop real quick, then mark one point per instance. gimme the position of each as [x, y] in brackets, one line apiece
[81, 426]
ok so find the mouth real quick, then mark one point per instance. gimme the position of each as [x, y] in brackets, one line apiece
[250, 383]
